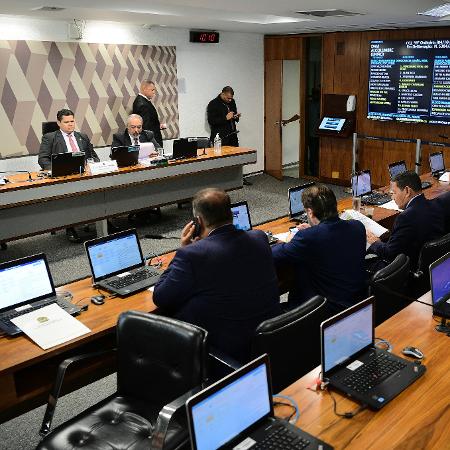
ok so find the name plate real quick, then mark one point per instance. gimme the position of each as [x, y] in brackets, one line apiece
[96, 168]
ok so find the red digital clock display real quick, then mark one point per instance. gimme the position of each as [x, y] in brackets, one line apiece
[205, 37]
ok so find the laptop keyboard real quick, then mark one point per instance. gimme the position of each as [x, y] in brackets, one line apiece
[12, 314]
[283, 439]
[376, 198]
[373, 373]
[133, 278]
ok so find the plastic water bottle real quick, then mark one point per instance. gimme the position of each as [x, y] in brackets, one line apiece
[217, 145]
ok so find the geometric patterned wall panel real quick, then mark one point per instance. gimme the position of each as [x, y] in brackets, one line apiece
[97, 81]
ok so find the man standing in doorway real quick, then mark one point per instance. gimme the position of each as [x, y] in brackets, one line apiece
[143, 106]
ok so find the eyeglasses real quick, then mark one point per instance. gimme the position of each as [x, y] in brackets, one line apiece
[135, 126]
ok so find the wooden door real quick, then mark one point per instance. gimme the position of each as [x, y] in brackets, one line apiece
[272, 118]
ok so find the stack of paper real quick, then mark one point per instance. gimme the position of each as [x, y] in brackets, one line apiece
[370, 224]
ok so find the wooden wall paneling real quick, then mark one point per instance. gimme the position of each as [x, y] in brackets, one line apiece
[282, 47]
[302, 108]
[328, 46]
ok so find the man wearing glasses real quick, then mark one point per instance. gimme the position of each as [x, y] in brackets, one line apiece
[134, 134]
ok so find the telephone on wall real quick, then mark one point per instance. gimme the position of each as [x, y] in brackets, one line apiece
[351, 103]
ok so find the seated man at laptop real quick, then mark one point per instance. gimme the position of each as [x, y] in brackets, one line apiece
[327, 254]
[420, 221]
[224, 280]
[66, 139]
[134, 134]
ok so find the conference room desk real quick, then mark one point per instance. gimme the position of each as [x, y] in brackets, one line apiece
[28, 208]
[419, 418]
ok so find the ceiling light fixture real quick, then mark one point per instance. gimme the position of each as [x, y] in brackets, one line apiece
[439, 11]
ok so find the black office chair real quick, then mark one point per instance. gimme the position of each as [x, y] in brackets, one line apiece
[159, 360]
[430, 252]
[444, 202]
[389, 286]
[48, 127]
[292, 341]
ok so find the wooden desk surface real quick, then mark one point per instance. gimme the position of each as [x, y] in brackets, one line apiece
[418, 418]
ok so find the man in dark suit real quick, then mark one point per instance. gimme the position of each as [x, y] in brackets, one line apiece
[223, 116]
[134, 134]
[66, 139]
[420, 221]
[143, 106]
[326, 255]
[223, 279]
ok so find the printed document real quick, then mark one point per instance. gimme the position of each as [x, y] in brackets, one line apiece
[370, 224]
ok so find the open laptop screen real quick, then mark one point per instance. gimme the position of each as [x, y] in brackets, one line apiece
[23, 280]
[361, 183]
[396, 168]
[114, 254]
[344, 336]
[228, 411]
[295, 199]
[241, 216]
[437, 162]
[440, 279]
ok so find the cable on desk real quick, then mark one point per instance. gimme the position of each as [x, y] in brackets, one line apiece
[348, 414]
[292, 403]
[383, 344]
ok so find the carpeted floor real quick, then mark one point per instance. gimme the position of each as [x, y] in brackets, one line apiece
[267, 199]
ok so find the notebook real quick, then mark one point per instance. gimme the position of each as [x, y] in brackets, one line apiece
[184, 148]
[67, 163]
[237, 412]
[362, 187]
[242, 221]
[440, 286]
[125, 155]
[117, 264]
[437, 164]
[26, 285]
[400, 167]
[353, 365]
[296, 208]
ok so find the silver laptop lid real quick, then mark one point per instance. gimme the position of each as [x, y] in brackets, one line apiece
[114, 254]
[25, 281]
[347, 334]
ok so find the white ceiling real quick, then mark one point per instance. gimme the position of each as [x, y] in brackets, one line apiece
[258, 16]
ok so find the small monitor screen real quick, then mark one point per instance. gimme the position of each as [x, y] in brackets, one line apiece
[114, 255]
[220, 417]
[440, 281]
[25, 281]
[295, 201]
[241, 216]
[437, 162]
[361, 183]
[346, 337]
[331, 124]
[396, 168]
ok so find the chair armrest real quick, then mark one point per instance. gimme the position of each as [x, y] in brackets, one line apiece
[56, 389]
[221, 358]
[165, 416]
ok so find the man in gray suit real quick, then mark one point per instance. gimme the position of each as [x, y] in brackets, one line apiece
[66, 139]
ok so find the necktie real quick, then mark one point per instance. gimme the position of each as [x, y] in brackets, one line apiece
[73, 146]
[136, 141]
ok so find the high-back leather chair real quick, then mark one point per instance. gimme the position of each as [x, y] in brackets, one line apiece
[292, 341]
[48, 127]
[159, 363]
[443, 201]
[389, 286]
[431, 251]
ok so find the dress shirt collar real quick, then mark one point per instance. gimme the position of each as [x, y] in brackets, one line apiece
[222, 229]
[418, 195]
[146, 98]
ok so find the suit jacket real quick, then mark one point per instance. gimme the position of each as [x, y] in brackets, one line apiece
[53, 143]
[421, 221]
[327, 259]
[147, 111]
[225, 283]
[217, 111]
[124, 138]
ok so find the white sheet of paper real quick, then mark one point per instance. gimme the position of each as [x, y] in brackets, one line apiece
[370, 224]
[146, 149]
[445, 177]
[390, 205]
[50, 326]
[282, 236]
[97, 168]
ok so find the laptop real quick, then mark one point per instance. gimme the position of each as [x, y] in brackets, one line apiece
[437, 164]
[67, 163]
[27, 285]
[399, 167]
[296, 208]
[125, 155]
[353, 365]
[117, 264]
[362, 187]
[237, 413]
[241, 219]
[440, 286]
[184, 148]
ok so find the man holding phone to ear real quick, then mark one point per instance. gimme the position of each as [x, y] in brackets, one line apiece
[221, 279]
